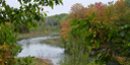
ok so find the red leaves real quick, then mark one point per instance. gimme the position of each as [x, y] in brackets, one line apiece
[99, 5]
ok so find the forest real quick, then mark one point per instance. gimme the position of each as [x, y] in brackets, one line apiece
[97, 34]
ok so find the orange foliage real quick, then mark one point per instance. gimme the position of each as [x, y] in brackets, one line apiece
[78, 11]
[113, 12]
[6, 54]
[65, 28]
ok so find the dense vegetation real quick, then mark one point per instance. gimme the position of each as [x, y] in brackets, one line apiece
[94, 35]
[17, 20]
[52, 23]
[99, 35]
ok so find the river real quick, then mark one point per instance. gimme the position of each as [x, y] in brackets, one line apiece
[34, 47]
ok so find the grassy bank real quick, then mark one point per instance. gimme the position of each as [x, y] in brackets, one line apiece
[32, 61]
[35, 34]
[30, 35]
[54, 42]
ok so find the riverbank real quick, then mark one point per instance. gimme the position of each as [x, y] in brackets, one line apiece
[32, 61]
[33, 47]
[36, 34]
[54, 42]
[43, 61]
[30, 35]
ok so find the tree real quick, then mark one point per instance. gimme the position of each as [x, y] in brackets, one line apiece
[76, 11]
[13, 19]
[127, 2]
[102, 37]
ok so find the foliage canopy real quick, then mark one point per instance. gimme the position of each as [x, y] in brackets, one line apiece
[99, 33]
[14, 20]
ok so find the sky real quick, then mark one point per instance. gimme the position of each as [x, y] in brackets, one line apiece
[65, 8]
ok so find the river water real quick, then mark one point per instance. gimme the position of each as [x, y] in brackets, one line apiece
[34, 47]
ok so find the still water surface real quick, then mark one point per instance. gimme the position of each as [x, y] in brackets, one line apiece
[34, 47]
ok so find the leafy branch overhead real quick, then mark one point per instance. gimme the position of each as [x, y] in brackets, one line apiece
[50, 3]
[27, 14]
[20, 19]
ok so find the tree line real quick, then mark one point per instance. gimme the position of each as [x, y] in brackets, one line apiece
[98, 34]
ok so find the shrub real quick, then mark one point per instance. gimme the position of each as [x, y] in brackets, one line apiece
[103, 36]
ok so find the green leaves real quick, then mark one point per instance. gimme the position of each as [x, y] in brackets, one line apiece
[50, 3]
[29, 11]
[127, 2]
[104, 34]
[25, 61]
[20, 19]
[6, 34]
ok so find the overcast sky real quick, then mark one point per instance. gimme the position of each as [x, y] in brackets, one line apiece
[65, 8]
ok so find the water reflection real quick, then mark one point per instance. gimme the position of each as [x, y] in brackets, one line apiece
[33, 47]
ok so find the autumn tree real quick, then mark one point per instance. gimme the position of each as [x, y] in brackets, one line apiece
[102, 36]
[76, 10]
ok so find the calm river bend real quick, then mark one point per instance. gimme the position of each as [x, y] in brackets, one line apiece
[34, 47]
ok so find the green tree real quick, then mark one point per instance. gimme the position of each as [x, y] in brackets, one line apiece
[13, 20]
[102, 37]
[128, 2]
